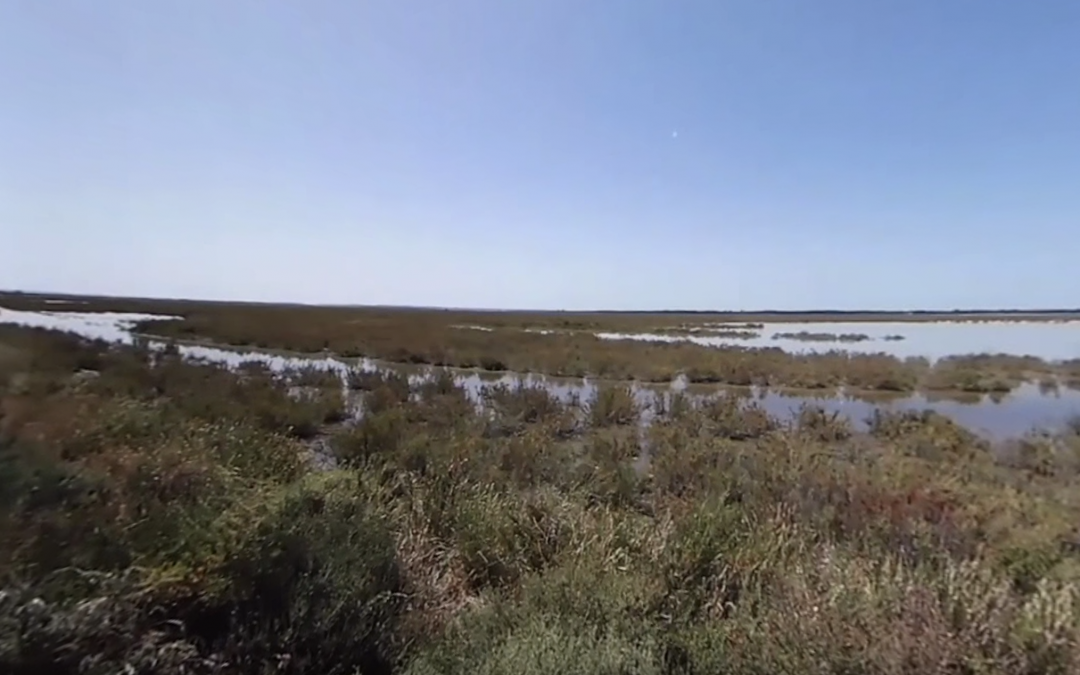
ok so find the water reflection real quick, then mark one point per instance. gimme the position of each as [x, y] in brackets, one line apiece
[999, 416]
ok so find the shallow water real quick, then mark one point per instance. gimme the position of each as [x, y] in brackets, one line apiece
[108, 326]
[1009, 416]
[1025, 409]
[1022, 410]
[1049, 340]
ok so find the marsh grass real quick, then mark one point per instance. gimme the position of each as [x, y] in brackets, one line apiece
[515, 409]
[982, 373]
[737, 418]
[160, 517]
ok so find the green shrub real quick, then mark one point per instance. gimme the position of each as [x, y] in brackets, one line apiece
[502, 537]
[573, 619]
[317, 581]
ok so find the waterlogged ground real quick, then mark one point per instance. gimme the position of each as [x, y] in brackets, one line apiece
[1026, 408]
[1048, 340]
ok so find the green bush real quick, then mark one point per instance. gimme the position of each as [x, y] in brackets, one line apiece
[317, 581]
[502, 537]
[572, 619]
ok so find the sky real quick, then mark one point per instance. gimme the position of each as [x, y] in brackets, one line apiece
[548, 154]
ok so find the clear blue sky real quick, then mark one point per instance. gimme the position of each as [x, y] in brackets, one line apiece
[523, 153]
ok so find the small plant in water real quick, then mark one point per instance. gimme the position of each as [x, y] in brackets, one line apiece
[824, 426]
[614, 405]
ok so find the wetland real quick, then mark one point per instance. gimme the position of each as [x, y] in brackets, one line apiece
[214, 488]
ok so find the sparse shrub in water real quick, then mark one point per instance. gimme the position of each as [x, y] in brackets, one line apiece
[528, 404]
[730, 417]
[440, 383]
[514, 408]
[613, 405]
[926, 434]
[892, 377]
[331, 403]
[364, 380]
[735, 373]
[675, 406]
[311, 376]
[392, 392]
[893, 424]
[442, 405]
[821, 425]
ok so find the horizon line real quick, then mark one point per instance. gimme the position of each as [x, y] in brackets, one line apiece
[822, 311]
